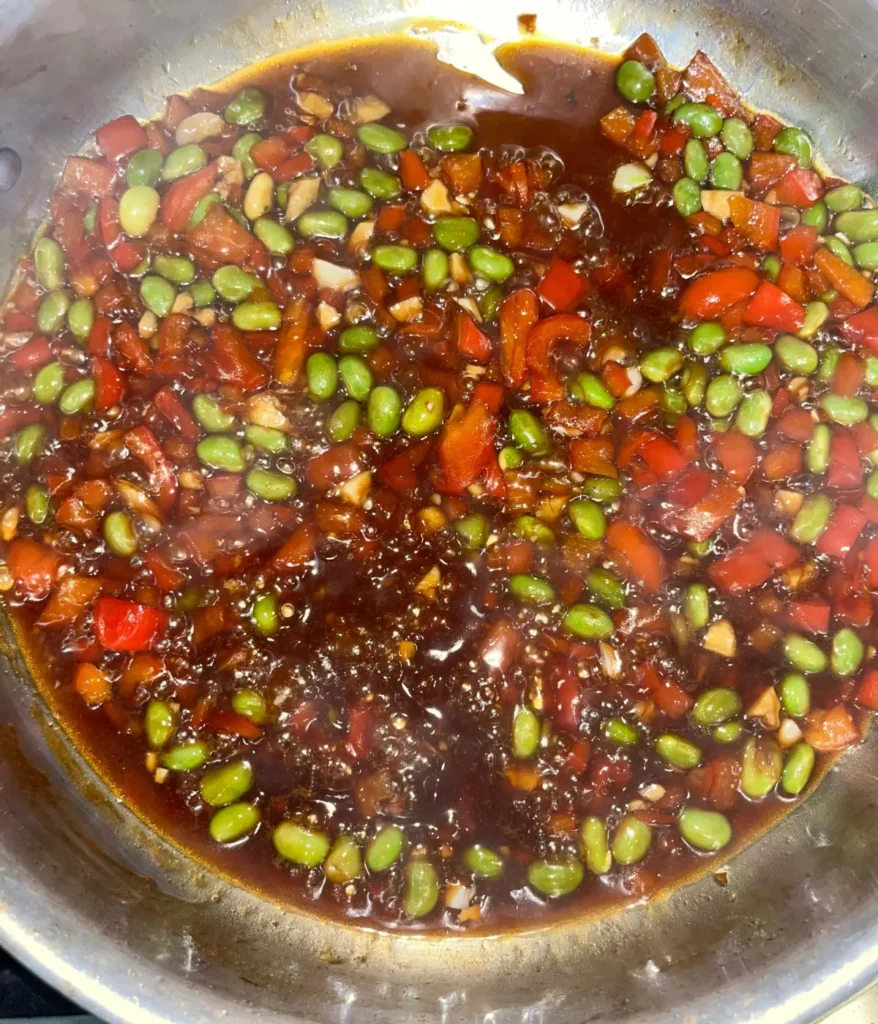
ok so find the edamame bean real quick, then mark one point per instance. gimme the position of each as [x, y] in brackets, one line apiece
[589, 388]
[186, 757]
[715, 706]
[219, 451]
[672, 401]
[794, 142]
[847, 652]
[489, 302]
[828, 363]
[866, 255]
[811, 519]
[588, 518]
[754, 413]
[661, 364]
[241, 151]
[843, 198]
[322, 224]
[158, 295]
[424, 413]
[696, 605]
[837, 247]
[350, 201]
[450, 138]
[226, 783]
[361, 338]
[816, 216]
[456, 233]
[490, 264]
[381, 139]
[797, 770]
[327, 150]
[528, 433]
[176, 269]
[804, 654]
[534, 529]
[589, 622]
[81, 318]
[138, 209]
[247, 108]
[707, 338]
[474, 530]
[48, 383]
[203, 294]
[761, 765]
[183, 161]
[266, 438]
[728, 732]
[726, 171]
[687, 197]
[817, 452]
[531, 589]
[555, 877]
[695, 162]
[631, 840]
[345, 862]
[270, 486]
[795, 695]
[159, 723]
[77, 396]
[211, 415]
[421, 892]
[275, 237]
[702, 119]
[202, 207]
[737, 137]
[395, 259]
[321, 372]
[678, 752]
[36, 504]
[705, 830]
[53, 309]
[525, 733]
[603, 488]
[234, 822]
[383, 410]
[251, 705]
[435, 269]
[745, 359]
[144, 168]
[598, 858]
[618, 731]
[257, 316]
[859, 225]
[265, 615]
[483, 862]
[356, 376]
[49, 263]
[635, 81]
[385, 849]
[29, 442]
[796, 355]
[120, 535]
[722, 396]
[303, 846]
[606, 588]
[343, 421]
[380, 184]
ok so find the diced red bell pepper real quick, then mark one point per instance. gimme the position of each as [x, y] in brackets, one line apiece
[171, 407]
[845, 467]
[83, 174]
[662, 456]
[462, 172]
[842, 533]
[129, 344]
[490, 395]
[334, 466]
[810, 616]
[740, 570]
[298, 550]
[219, 239]
[415, 177]
[32, 355]
[593, 456]
[800, 188]
[644, 561]
[771, 307]
[699, 518]
[854, 610]
[232, 362]
[666, 694]
[764, 169]
[128, 254]
[518, 314]
[33, 566]
[471, 342]
[796, 424]
[126, 626]
[775, 549]
[867, 691]
[799, 244]
[849, 375]
[122, 137]
[143, 445]
[180, 200]
[109, 384]
[712, 294]
[756, 221]
[737, 453]
[546, 384]
[850, 282]
[832, 730]
[466, 446]
[562, 286]
[292, 346]
[862, 328]
[108, 221]
[703, 81]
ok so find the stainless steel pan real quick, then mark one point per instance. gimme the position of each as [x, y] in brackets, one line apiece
[126, 925]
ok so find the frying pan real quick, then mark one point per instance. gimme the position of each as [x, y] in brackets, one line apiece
[128, 926]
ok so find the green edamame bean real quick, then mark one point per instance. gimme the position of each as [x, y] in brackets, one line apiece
[761, 765]
[234, 822]
[595, 847]
[361, 338]
[866, 255]
[275, 237]
[158, 295]
[534, 529]
[435, 269]
[144, 168]
[455, 234]
[380, 184]
[722, 396]
[343, 421]
[186, 757]
[395, 259]
[838, 248]
[450, 138]
[226, 783]
[77, 396]
[635, 81]
[345, 862]
[872, 486]
[247, 108]
[36, 504]
[473, 529]
[707, 338]
[859, 225]
[257, 316]
[183, 161]
[265, 615]
[844, 411]
[672, 401]
[241, 151]
[53, 309]
[421, 892]
[138, 209]
[703, 120]
[202, 207]
[49, 263]
[589, 388]
[817, 452]
[489, 303]
[745, 360]
[603, 488]
[618, 731]
[490, 264]
[532, 589]
[804, 654]
[327, 150]
[321, 372]
[483, 862]
[211, 415]
[356, 376]
[203, 294]
[696, 605]
[270, 486]
[737, 137]
[266, 438]
[251, 705]
[812, 519]
[795, 695]
[385, 849]
[715, 706]
[48, 383]
[847, 652]
[726, 171]
[384, 410]
[176, 269]
[631, 841]
[159, 723]
[322, 224]
[588, 518]
[687, 197]
[828, 363]
[728, 732]
[794, 142]
[381, 139]
[119, 533]
[606, 588]
[350, 201]
[219, 451]
[525, 733]
[843, 198]
[424, 413]
[678, 752]
[661, 364]
[796, 355]
[705, 830]
[303, 846]
[29, 442]
[797, 770]
[528, 433]
[589, 622]
[754, 413]
[695, 162]
[816, 216]
[81, 318]
[556, 877]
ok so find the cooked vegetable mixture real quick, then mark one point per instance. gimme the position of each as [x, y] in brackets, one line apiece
[446, 509]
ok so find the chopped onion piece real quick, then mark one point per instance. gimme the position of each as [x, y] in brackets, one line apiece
[329, 275]
[630, 178]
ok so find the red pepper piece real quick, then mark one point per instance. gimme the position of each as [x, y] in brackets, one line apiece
[415, 177]
[811, 616]
[171, 407]
[33, 566]
[644, 561]
[867, 691]
[83, 174]
[546, 385]
[842, 533]
[771, 307]
[562, 286]
[712, 294]
[142, 443]
[32, 354]
[179, 202]
[466, 446]
[126, 626]
[845, 467]
[471, 342]
[232, 362]
[109, 384]
[518, 314]
[862, 328]
[121, 137]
